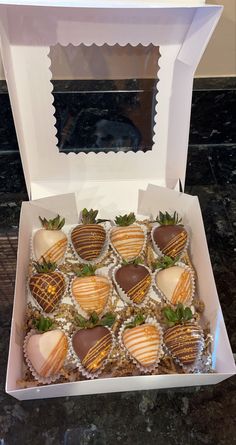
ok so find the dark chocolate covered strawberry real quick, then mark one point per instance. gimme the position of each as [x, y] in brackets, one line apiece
[93, 343]
[92, 346]
[88, 238]
[184, 338]
[47, 286]
[170, 236]
[134, 280]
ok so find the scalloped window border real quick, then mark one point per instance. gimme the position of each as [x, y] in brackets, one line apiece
[104, 150]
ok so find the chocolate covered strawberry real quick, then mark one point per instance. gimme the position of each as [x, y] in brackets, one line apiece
[93, 343]
[90, 291]
[88, 238]
[47, 286]
[174, 280]
[50, 242]
[170, 237]
[184, 338]
[46, 350]
[127, 238]
[134, 280]
[143, 341]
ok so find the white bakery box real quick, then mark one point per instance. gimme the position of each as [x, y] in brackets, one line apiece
[112, 182]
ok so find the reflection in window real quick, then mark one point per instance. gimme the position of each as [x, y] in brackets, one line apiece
[97, 111]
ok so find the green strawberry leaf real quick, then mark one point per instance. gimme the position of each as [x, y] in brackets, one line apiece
[165, 262]
[180, 311]
[170, 314]
[165, 219]
[81, 321]
[125, 220]
[94, 319]
[89, 216]
[43, 324]
[187, 315]
[108, 319]
[84, 271]
[138, 320]
[44, 266]
[136, 262]
[178, 315]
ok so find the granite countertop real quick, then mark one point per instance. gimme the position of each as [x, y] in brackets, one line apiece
[186, 416]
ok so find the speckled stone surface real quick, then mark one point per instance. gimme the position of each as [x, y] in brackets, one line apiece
[187, 416]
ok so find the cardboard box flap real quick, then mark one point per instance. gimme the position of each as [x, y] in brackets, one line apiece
[102, 3]
[27, 34]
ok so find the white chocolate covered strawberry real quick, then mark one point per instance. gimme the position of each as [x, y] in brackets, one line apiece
[50, 242]
[174, 281]
[46, 349]
[90, 291]
[143, 341]
[127, 238]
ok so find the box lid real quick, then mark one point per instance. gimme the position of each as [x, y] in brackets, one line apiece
[28, 32]
[102, 3]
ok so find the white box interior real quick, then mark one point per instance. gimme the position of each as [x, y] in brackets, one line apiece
[150, 202]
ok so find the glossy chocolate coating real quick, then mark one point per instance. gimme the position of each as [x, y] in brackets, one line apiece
[47, 289]
[135, 280]
[129, 275]
[88, 240]
[170, 239]
[85, 339]
[185, 342]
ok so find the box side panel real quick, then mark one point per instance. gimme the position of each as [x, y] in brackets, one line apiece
[64, 205]
[89, 193]
[118, 385]
[223, 360]
[103, 4]
[155, 198]
[15, 357]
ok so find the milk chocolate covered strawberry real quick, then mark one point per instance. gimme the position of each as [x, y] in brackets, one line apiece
[133, 281]
[184, 338]
[88, 238]
[47, 286]
[93, 343]
[50, 242]
[170, 236]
